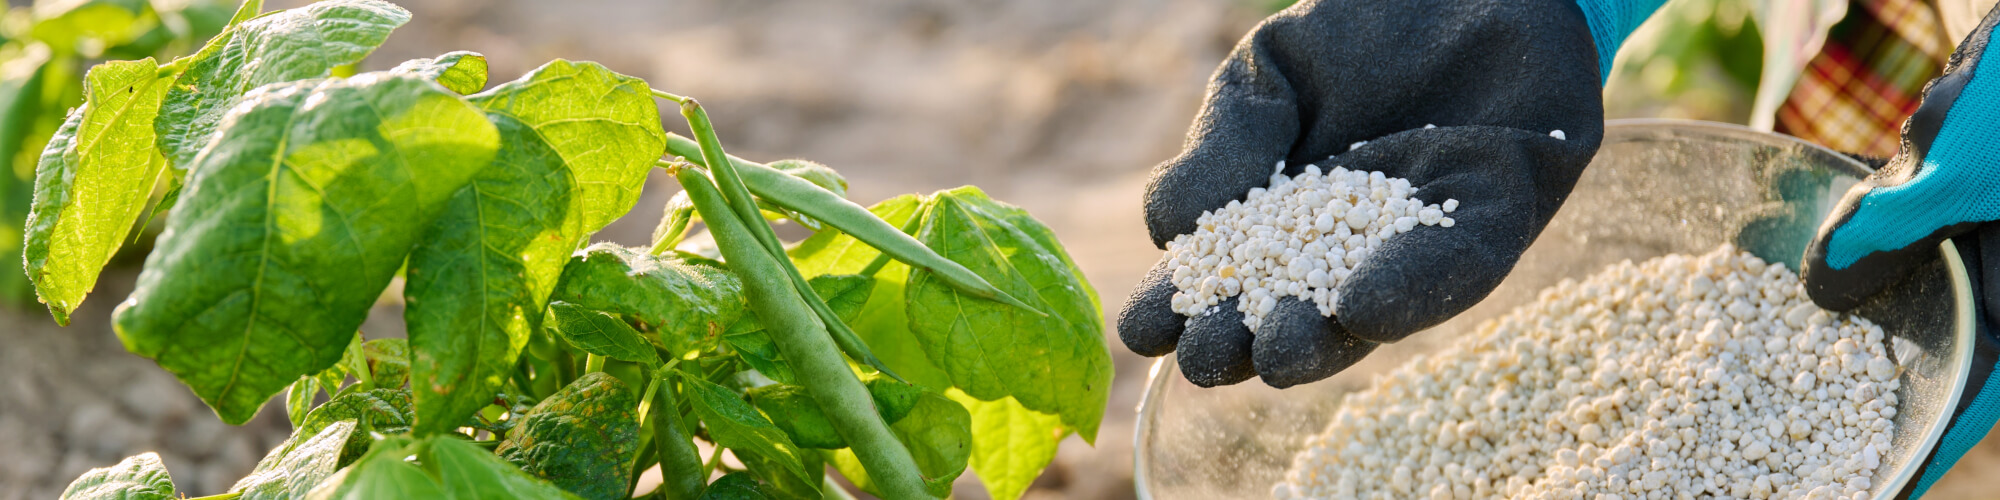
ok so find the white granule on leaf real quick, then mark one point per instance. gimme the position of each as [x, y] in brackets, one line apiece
[1302, 236]
[1679, 377]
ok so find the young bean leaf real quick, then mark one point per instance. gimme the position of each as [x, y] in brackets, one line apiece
[384, 411]
[139, 477]
[299, 398]
[354, 361]
[295, 44]
[302, 467]
[388, 362]
[94, 179]
[287, 234]
[460, 71]
[467, 472]
[674, 222]
[382, 473]
[582, 438]
[1057, 363]
[577, 141]
[938, 432]
[881, 323]
[1010, 443]
[735, 486]
[687, 303]
[601, 334]
[735, 425]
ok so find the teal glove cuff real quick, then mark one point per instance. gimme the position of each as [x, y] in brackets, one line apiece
[1956, 182]
[1967, 430]
[1610, 22]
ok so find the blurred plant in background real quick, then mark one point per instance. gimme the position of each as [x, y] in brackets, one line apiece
[44, 50]
[1695, 59]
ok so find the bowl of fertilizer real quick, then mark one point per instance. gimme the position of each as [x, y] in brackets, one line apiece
[1654, 342]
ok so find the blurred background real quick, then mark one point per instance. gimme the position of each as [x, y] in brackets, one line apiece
[1058, 106]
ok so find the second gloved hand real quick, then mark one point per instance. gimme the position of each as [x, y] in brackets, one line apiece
[1496, 78]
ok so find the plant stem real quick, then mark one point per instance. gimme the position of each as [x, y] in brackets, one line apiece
[804, 341]
[224, 496]
[677, 99]
[714, 457]
[593, 363]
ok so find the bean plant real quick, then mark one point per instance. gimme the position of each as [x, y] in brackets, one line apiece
[897, 345]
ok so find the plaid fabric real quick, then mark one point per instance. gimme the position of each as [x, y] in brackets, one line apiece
[1855, 94]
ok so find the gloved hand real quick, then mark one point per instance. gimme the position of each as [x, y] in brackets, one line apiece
[1945, 183]
[1496, 77]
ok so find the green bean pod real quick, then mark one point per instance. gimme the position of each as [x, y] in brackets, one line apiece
[680, 464]
[739, 201]
[802, 196]
[803, 340]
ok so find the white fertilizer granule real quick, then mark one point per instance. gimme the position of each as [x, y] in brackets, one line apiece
[1302, 236]
[1679, 377]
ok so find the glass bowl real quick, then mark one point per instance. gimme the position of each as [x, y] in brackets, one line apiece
[1656, 187]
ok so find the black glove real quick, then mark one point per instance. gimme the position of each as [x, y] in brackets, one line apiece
[1496, 77]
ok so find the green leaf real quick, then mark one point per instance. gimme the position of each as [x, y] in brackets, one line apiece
[844, 294]
[892, 398]
[383, 473]
[93, 181]
[881, 322]
[388, 362]
[302, 467]
[775, 483]
[140, 477]
[734, 486]
[384, 411]
[295, 44]
[1055, 364]
[299, 399]
[938, 433]
[601, 334]
[1010, 443]
[353, 361]
[735, 425]
[461, 71]
[583, 438]
[674, 221]
[686, 303]
[286, 234]
[794, 412]
[468, 472]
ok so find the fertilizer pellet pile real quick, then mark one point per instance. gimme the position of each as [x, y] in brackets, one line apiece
[1301, 236]
[1679, 377]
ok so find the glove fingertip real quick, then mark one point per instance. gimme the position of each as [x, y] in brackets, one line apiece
[1215, 350]
[1148, 325]
[1296, 345]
